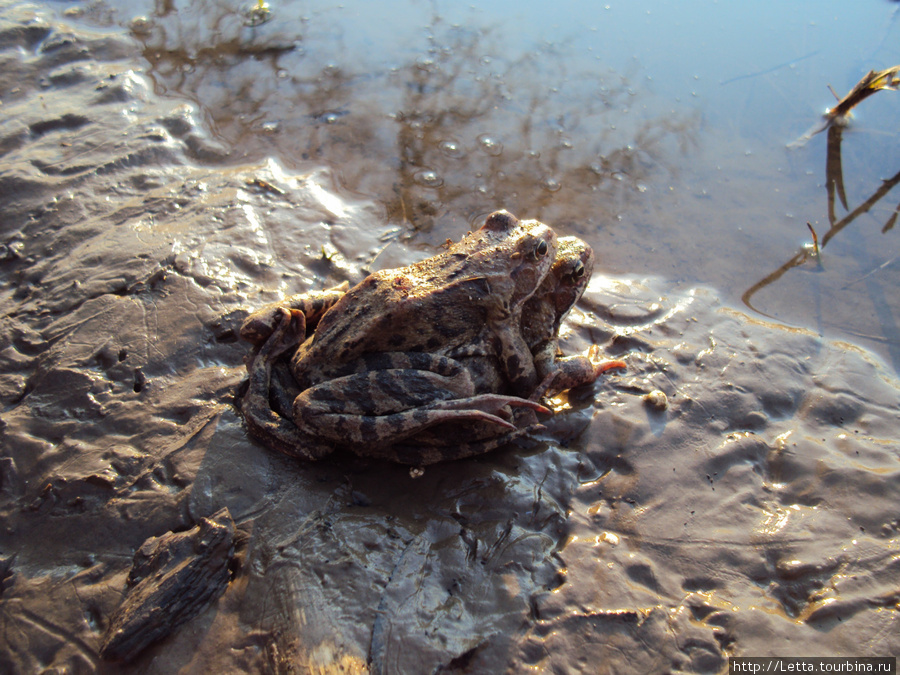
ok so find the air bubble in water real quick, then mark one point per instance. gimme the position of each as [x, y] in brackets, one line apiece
[451, 149]
[428, 178]
[490, 145]
[551, 184]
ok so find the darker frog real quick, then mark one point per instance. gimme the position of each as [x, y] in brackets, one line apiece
[376, 371]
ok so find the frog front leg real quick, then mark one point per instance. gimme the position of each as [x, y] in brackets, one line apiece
[515, 358]
[380, 406]
[259, 325]
[561, 374]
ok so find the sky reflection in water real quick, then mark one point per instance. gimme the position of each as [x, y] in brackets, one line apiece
[657, 131]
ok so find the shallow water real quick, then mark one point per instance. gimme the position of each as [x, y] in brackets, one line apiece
[166, 168]
[658, 131]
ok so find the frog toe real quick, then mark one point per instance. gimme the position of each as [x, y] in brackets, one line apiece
[289, 332]
[498, 402]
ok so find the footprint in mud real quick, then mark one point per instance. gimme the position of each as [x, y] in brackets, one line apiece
[113, 364]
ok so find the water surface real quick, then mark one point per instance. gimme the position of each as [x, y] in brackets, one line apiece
[658, 131]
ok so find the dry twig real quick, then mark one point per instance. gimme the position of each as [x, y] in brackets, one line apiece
[868, 85]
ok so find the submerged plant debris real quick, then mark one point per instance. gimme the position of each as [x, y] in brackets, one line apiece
[870, 83]
[834, 185]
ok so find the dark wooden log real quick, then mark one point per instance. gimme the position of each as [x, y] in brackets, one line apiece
[174, 577]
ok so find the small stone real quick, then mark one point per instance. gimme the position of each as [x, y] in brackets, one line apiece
[657, 400]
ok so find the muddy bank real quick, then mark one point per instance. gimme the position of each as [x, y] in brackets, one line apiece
[754, 515]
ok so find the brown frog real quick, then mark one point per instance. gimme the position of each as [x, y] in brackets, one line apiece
[376, 369]
[541, 317]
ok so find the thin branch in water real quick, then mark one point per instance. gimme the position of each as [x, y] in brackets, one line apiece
[834, 175]
[868, 85]
[799, 258]
[885, 187]
[805, 253]
[890, 221]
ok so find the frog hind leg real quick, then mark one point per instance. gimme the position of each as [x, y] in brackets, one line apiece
[376, 409]
[262, 421]
[449, 442]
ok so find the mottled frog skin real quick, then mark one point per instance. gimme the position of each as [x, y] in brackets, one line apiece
[440, 305]
[542, 316]
[545, 311]
[382, 365]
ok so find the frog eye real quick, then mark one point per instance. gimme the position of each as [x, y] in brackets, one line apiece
[541, 249]
[578, 271]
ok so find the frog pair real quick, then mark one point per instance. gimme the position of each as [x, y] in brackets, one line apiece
[442, 359]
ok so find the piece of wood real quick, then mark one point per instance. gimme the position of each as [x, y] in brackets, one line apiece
[174, 577]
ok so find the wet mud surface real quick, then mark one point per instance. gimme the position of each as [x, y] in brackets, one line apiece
[755, 514]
